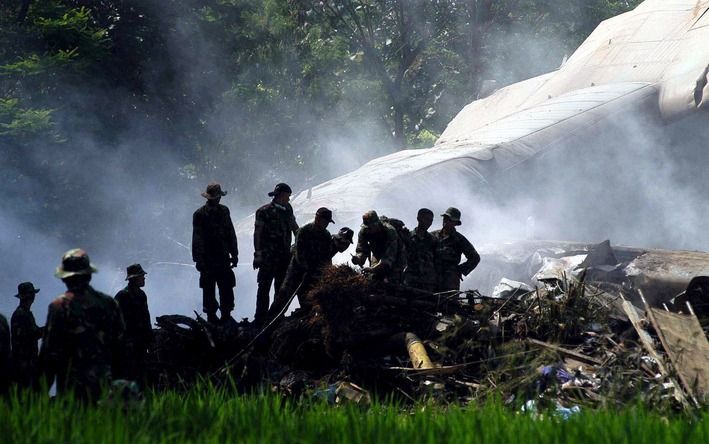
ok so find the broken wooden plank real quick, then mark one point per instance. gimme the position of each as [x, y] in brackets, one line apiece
[645, 338]
[687, 347]
[566, 352]
[649, 346]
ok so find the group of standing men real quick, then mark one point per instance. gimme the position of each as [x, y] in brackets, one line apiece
[90, 338]
[418, 258]
[287, 268]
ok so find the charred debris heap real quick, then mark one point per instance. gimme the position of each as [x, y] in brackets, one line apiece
[570, 337]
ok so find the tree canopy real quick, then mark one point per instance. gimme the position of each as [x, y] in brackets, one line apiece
[180, 92]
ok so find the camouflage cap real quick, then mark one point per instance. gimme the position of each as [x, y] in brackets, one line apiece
[214, 191]
[346, 233]
[453, 214]
[370, 218]
[280, 188]
[75, 262]
[26, 288]
[134, 270]
[325, 213]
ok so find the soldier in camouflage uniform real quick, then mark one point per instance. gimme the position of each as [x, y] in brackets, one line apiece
[273, 234]
[313, 252]
[422, 252]
[133, 303]
[25, 334]
[215, 252]
[5, 366]
[379, 243]
[451, 244]
[83, 345]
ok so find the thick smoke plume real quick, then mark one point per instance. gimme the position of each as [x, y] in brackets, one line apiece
[640, 184]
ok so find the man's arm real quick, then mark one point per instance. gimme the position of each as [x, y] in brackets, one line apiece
[233, 244]
[147, 325]
[258, 232]
[291, 221]
[300, 254]
[362, 251]
[38, 331]
[472, 256]
[197, 240]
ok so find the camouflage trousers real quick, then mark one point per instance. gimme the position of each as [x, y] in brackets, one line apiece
[226, 281]
[412, 281]
[137, 353]
[449, 280]
[271, 272]
[297, 279]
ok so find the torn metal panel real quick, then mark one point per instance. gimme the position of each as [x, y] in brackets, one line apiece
[663, 274]
[660, 274]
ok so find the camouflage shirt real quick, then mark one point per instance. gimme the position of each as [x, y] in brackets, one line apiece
[450, 248]
[422, 265]
[83, 344]
[25, 335]
[273, 231]
[382, 247]
[134, 307]
[313, 248]
[213, 238]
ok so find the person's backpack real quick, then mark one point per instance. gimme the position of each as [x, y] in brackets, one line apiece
[404, 237]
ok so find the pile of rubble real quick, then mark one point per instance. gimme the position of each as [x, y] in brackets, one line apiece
[564, 343]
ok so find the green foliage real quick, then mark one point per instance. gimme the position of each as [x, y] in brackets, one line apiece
[210, 415]
[21, 123]
[269, 88]
[54, 49]
[34, 65]
[74, 32]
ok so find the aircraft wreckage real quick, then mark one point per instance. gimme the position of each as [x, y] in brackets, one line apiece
[555, 322]
[651, 62]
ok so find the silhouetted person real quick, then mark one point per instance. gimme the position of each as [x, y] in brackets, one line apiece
[133, 303]
[422, 253]
[451, 245]
[274, 228]
[215, 252]
[378, 242]
[342, 240]
[25, 334]
[83, 346]
[5, 355]
[312, 253]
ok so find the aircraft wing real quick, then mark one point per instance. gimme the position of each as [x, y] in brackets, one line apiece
[652, 61]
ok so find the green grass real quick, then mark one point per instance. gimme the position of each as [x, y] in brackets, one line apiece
[213, 416]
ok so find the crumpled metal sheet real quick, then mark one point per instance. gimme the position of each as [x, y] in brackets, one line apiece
[659, 274]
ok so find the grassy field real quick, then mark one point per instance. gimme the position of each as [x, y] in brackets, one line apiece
[212, 416]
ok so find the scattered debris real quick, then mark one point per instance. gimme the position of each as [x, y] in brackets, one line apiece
[363, 336]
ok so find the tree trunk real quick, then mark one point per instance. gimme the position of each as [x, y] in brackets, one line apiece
[24, 8]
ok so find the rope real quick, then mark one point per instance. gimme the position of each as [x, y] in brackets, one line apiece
[253, 341]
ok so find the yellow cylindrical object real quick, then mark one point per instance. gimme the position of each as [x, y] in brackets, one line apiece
[417, 352]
